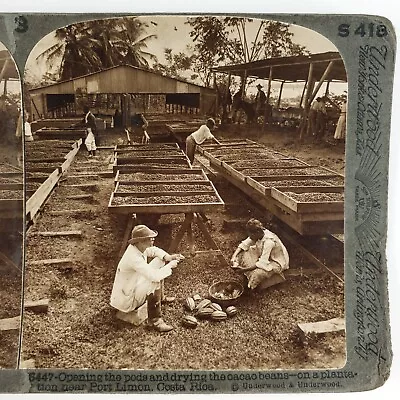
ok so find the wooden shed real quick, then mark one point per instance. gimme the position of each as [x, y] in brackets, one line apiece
[113, 86]
[313, 70]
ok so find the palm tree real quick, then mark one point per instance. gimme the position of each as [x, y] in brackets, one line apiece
[75, 51]
[95, 45]
[132, 43]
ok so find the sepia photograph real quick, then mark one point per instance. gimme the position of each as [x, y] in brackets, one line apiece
[184, 184]
[11, 209]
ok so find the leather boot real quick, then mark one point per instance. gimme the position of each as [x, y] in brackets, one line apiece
[154, 313]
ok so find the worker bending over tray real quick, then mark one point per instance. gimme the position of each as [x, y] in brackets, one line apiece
[262, 257]
[137, 280]
[198, 137]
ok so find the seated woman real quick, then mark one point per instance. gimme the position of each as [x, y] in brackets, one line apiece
[262, 257]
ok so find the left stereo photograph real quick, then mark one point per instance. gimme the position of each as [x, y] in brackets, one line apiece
[11, 210]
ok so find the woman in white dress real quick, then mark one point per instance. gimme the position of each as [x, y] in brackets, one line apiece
[340, 132]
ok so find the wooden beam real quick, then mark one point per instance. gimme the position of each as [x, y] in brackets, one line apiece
[210, 240]
[327, 88]
[3, 70]
[280, 95]
[58, 233]
[321, 81]
[268, 96]
[131, 223]
[8, 324]
[80, 197]
[50, 261]
[179, 235]
[38, 306]
[310, 85]
[332, 325]
[302, 93]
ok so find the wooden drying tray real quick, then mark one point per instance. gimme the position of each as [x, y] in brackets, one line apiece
[304, 224]
[45, 160]
[145, 168]
[233, 142]
[267, 161]
[163, 208]
[242, 177]
[166, 171]
[216, 159]
[45, 144]
[172, 152]
[67, 129]
[144, 160]
[266, 191]
[11, 174]
[11, 186]
[145, 147]
[60, 134]
[209, 190]
[307, 207]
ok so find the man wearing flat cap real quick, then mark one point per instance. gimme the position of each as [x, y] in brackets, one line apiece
[137, 280]
[199, 137]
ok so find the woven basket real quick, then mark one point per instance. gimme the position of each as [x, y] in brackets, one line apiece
[225, 293]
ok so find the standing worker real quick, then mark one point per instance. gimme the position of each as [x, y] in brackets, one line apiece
[91, 131]
[139, 125]
[198, 137]
[340, 132]
[260, 101]
[137, 280]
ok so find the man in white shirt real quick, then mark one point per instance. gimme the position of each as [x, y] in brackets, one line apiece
[262, 257]
[137, 280]
[198, 137]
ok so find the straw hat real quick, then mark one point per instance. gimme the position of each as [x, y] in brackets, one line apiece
[141, 232]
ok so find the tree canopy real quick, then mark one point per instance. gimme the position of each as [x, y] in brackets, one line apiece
[92, 46]
[229, 40]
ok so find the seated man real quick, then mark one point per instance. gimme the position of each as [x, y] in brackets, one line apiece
[138, 280]
[262, 257]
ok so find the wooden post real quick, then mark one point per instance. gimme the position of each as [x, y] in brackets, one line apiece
[327, 89]
[217, 92]
[5, 87]
[3, 70]
[280, 95]
[268, 96]
[321, 81]
[302, 94]
[310, 85]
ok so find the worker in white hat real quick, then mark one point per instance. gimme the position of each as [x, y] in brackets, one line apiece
[199, 137]
[138, 280]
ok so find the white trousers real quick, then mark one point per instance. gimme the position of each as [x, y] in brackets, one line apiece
[90, 142]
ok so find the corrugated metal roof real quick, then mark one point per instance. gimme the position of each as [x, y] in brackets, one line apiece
[293, 68]
[107, 70]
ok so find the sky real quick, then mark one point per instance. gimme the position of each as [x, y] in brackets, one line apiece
[172, 32]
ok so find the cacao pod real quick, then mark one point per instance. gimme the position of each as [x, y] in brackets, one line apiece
[204, 312]
[189, 304]
[218, 315]
[203, 303]
[231, 311]
[189, 321]
[216, 307]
